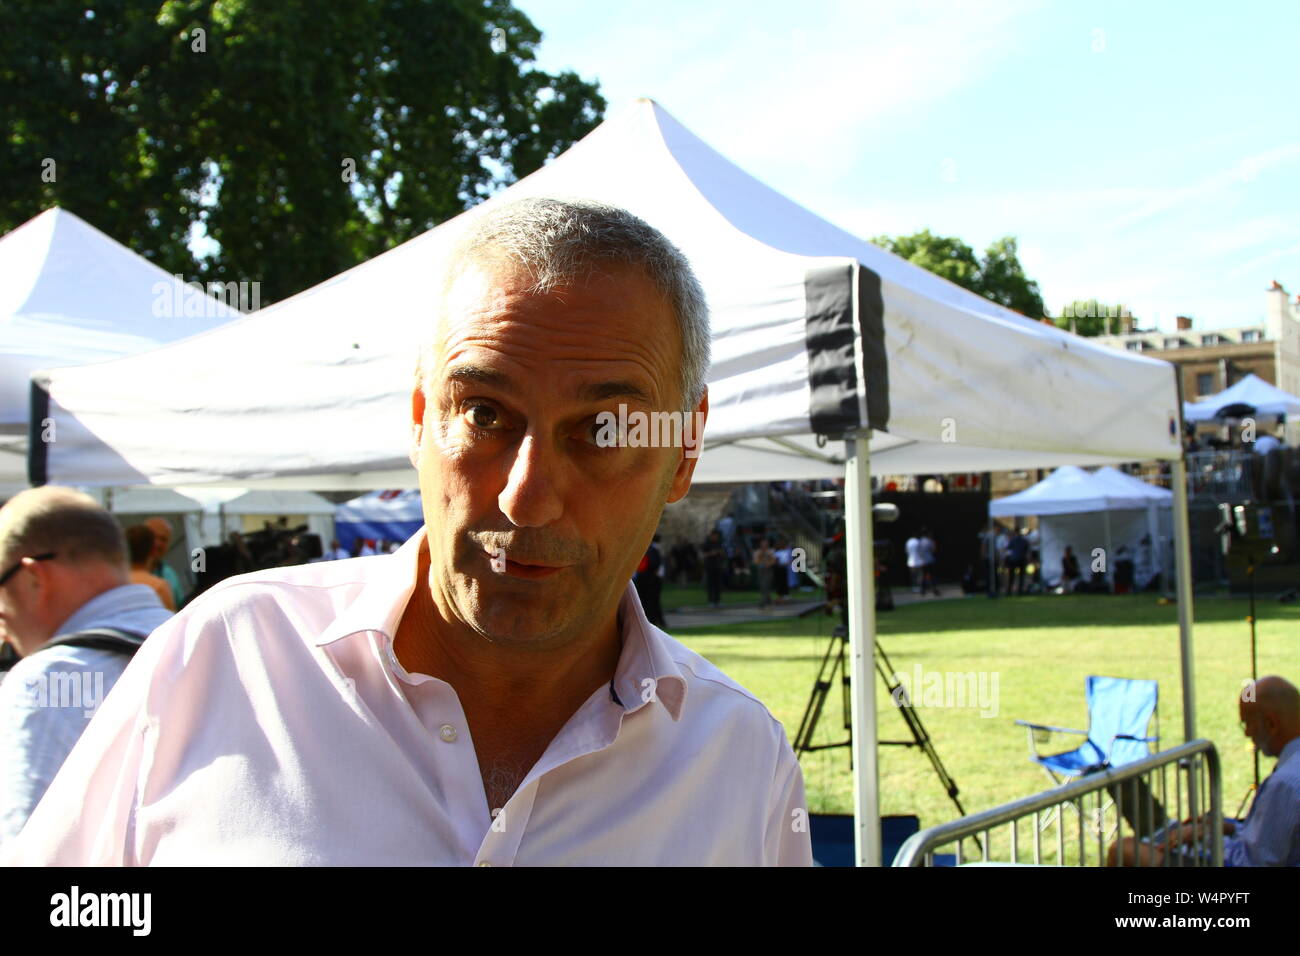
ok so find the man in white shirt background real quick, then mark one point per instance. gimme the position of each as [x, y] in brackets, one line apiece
[913, 549]
[64, 572]
[492, 694]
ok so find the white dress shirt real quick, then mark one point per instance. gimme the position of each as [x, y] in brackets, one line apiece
[48, 698]
[271, 723]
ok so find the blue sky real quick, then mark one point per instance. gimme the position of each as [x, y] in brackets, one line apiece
[1145, 152]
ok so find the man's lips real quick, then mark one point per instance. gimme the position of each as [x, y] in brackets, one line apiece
[518, 569]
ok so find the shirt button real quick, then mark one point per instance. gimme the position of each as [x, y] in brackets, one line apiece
[447, 732]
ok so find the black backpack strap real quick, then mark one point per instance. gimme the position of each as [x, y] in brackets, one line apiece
[101, 639]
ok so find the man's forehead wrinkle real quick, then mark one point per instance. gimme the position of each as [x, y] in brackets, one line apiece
[584, 382]
[562, 331]
[621, 359]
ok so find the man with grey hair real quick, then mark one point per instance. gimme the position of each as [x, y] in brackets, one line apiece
[491, 694]
[64, 598]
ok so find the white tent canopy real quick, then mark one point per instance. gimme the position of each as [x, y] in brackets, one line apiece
[1104, 511]
[225, 508]
[1071, 490]
[814, 332]
[72, 296]
[1252, 390]
[210, 513]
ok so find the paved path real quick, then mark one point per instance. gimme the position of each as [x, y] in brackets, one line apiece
[704, 616]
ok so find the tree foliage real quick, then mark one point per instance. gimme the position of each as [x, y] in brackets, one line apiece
[302, 138]
[1090, 317]
[997, 276]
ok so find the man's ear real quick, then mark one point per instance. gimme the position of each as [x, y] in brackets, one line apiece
[692, 444]
[417, 422]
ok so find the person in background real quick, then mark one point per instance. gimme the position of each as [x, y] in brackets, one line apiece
[1017, 561]
[1264, 444]
[727, 528]
[649, 583]
[781, 572]
[240, 556]
[162, 530]
[765, 561]
[336, 551]
[1269, 709]
[1069, 570]
[715, 565]
[913, 549]
[685, 562]
[63, 573]
[140, 543]
[926, 551]
[1001, 542]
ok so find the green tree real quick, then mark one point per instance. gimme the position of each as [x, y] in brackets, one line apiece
[1090, 317]
[302, 139]
[997, 276]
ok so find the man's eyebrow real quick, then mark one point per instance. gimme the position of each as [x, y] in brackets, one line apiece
[600, 391]
[472, 374]
[477, 375]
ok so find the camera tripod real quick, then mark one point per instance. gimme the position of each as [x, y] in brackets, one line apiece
[832, 662]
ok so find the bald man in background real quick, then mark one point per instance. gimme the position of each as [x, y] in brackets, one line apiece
[1270, 835]
[67, 608]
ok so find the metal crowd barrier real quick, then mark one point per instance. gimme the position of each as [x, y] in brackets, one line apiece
[1137, 797]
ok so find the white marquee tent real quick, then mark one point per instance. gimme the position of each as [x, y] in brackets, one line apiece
[1252, 390]
[72, 296]
[816, 333]
[1104, 509]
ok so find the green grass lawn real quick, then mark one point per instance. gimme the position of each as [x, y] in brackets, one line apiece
[1040, 649]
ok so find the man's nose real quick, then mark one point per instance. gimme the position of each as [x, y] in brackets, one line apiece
[533, 495]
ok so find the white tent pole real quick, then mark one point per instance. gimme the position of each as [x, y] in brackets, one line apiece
[861, 592]
[1153, 532]
[1110, 554]
[1183, 563]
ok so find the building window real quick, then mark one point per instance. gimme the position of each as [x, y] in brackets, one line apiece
[1251, 335]
[1204, 383]
[1211, 339]
[1136, 346]
[1172, 343]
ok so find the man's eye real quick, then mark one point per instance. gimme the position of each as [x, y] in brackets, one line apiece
[604, 434]
[482, 416]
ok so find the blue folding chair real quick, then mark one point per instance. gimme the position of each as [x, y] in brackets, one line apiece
[1119, 710]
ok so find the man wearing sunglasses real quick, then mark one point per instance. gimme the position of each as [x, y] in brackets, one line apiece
[68, 610]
